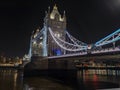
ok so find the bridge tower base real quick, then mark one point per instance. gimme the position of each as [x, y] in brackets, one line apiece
[59, 69]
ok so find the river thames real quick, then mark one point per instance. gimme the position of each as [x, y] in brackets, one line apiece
[12, 79]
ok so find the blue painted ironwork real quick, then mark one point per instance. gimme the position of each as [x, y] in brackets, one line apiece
[115, 36]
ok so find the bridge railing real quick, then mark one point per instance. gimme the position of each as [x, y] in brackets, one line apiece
[106, 50]
[69, 55]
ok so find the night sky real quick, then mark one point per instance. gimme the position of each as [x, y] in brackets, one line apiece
[87, 20]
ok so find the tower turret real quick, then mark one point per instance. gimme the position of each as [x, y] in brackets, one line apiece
[57, 23]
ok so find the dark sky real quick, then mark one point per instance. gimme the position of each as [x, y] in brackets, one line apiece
[87, 20]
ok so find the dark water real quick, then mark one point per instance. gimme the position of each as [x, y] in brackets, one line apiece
[86, 80]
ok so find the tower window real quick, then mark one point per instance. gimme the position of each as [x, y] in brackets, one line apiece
[57, 34]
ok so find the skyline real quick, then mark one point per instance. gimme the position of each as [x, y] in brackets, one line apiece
[88, 21]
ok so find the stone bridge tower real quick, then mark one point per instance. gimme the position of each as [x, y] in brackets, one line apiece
[57, 23]
[41, 43]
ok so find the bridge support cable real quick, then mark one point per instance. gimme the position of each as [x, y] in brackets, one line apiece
[66, 45]
[74, 40]
[109, 39]
[104, 45]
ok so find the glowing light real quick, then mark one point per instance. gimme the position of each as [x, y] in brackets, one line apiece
[61, 19]
[34, 42]
[57, 52]
[58, 35]
[54, 12]
[55, 7]
[113, 6]
[41, 43]
[52, 16]
[35, 35]
[37, 30]
[89, 46]
[41, 37]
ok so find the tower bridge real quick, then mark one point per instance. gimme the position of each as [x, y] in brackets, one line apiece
[51, 45]
[54, 40]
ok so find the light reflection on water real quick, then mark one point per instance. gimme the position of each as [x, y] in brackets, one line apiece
[39, 83]
[99, 79]
[86, 80]
[9, 80]
[13, 80]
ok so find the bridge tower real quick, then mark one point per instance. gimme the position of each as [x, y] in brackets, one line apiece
[41, 43]
[57, 23]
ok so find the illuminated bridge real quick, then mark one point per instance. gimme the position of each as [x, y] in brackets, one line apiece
[54, 40]
[54, 51]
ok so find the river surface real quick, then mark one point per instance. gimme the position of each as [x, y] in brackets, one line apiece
[12, 79]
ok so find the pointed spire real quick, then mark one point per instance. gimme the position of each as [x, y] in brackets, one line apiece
[55, 7]
[54, 13]
[46, 14]
[64, 16]
[37, 30]
[49, 10]
[64, 12]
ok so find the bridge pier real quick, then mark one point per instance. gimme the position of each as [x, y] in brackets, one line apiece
[56, 68]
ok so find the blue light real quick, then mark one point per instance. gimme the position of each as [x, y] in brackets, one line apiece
[57, 52]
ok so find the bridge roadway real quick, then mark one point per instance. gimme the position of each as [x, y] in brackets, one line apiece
[62, 67]
[97, 56]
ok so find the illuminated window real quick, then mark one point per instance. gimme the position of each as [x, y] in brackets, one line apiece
[40, 43]
[34, 42]
[57, 34]
[35, 35]
[41, 37]
[52, 16]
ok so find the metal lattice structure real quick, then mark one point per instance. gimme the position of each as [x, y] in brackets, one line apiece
[68, 46]
[115, 36]
[109, 42]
